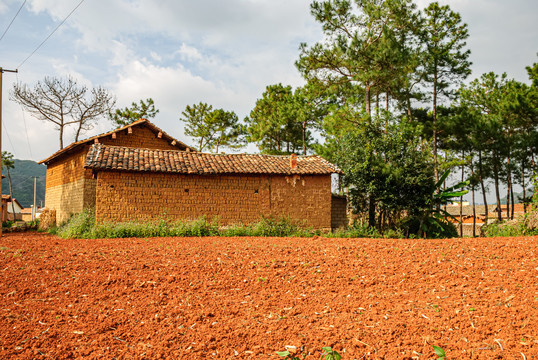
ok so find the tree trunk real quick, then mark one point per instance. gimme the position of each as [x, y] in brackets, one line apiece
[523, 184]
[371, 213]
[508, 199]
[11, 193]
[473, 200]
[304, 137]
[483, 187]
[509, 186]
[497, 195]
[409, 112]
[434, 127]
[512, 196]
[78, 132]
[367, 100]
[377, 104]
[61, 137]
[444, 187]
[461, 197]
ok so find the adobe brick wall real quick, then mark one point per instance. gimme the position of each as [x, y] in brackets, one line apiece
[141, 137]
[68, 168]
[66, 199]
[70, 188]
[339, 212]
[66, 180]
[123, 196]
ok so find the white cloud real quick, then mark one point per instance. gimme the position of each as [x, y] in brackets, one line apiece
[189, 53]
[221, 52]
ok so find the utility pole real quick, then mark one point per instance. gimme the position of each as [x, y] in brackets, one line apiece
[34, 210]
[2, 71]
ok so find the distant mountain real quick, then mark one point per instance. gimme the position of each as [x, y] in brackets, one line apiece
[518, 196]
[22, 179]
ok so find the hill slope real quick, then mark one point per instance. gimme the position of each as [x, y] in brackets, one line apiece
[22, 178]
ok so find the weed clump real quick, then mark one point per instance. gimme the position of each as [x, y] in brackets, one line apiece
[84, 226]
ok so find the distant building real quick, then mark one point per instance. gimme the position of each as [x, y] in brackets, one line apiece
[14, 210]
[26, 214]
[3, 207]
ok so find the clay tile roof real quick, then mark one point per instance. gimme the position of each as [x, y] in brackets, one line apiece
[119, 158]
[143, 122]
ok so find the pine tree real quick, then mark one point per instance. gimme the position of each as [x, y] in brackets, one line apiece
[445, 59]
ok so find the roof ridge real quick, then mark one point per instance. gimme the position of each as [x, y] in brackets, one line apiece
[216, 154]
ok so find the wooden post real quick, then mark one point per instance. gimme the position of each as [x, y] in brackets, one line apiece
[2, 70]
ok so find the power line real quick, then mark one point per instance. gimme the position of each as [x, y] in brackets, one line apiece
[14, 17]
[7, 134]
[25, 127]
[48, 37]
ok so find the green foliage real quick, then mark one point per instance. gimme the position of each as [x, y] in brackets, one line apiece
[357, 230]
[386, 166]
[439, 352]
[330, 354]
[287, 355]
[7, 224]
[445, 60]
[273, 123]
[431, 220]
[432, 226]
[213, 128]
[7, 160]
[77, 226]
[365, 45]
[327, 353]
[121, 117]
[83, 225]
[498, 229]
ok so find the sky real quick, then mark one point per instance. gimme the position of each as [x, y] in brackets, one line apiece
[182, 52]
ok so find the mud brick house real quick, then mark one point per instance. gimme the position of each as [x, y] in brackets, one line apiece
[140, 184]
[70, 187]
[125, 179]
[3, 208]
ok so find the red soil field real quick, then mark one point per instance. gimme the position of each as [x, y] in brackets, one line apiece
[245, 298]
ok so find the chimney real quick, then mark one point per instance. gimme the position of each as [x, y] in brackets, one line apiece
[293, 161]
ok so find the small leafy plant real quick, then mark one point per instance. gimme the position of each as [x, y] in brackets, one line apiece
[330, 354]
[288, 356]
[439, 352]
[327, 353]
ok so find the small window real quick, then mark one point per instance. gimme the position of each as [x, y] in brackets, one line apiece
[186, 190]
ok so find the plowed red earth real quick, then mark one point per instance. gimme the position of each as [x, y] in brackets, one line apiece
[224, 298]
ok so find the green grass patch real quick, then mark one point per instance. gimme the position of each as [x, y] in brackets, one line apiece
[84, 226]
